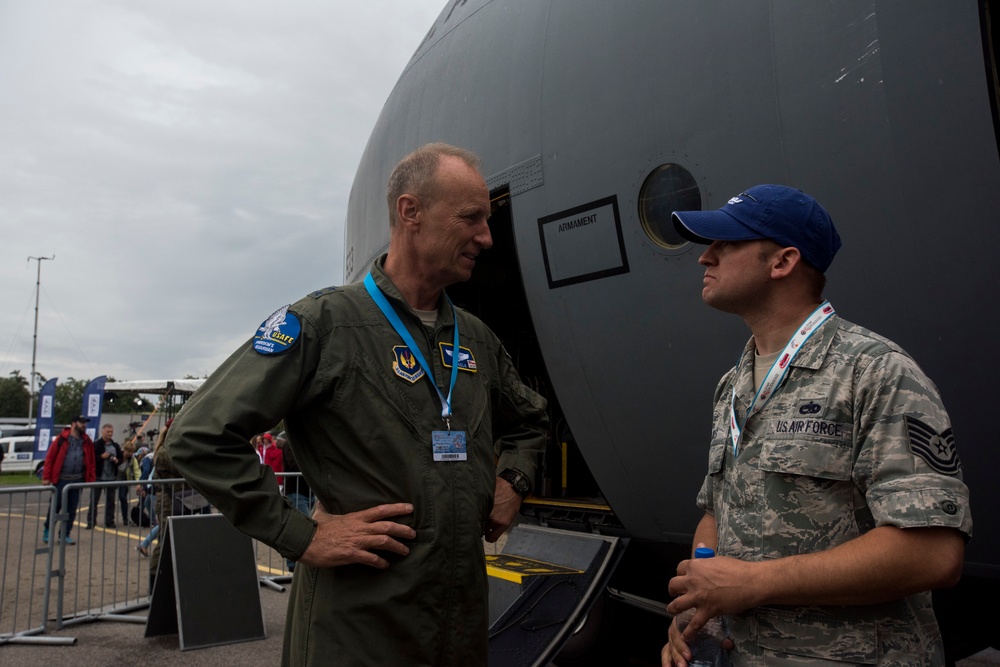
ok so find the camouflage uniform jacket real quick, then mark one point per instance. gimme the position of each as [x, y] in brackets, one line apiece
[361, 434]
[855, 438]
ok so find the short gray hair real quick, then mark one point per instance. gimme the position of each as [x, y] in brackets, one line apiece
[414, 174]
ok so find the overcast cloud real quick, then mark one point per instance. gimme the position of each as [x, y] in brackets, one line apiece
[188, 164]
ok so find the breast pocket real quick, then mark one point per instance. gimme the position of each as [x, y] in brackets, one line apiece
[384, 453]
[807, 456]
[810, 500]
[380, 392]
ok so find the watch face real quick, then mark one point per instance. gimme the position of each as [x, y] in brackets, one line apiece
[517, 480]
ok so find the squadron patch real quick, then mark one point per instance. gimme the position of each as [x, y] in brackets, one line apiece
[278, 333]
[405, 365]
[936, 449]
[466, 362]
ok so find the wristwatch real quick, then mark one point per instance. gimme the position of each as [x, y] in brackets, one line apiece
[517, 479]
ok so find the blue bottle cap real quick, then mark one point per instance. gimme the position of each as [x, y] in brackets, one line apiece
[704, 552]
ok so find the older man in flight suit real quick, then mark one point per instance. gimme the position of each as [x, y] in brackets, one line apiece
[410, 424]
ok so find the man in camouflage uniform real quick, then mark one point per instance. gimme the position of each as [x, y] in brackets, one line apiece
[391, 570]
[834, 496]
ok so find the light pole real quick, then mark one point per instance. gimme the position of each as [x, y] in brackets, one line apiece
[34, 342]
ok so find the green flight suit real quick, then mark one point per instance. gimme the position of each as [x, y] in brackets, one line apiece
[361, 432]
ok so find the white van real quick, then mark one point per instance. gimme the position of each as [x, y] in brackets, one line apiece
[17, 452]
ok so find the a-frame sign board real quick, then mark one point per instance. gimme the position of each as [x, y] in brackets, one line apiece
[206, 586]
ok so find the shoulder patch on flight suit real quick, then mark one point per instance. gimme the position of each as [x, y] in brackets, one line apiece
[278, 333]
[323, 292]
[936, 449]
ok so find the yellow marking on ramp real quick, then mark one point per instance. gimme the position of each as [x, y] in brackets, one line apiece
[516, 568]
[579, 504]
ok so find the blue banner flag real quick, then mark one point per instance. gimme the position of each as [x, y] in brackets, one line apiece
[93, 400]
[45, 420]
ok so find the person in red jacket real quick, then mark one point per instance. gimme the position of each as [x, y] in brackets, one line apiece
[270, 454]
[70, 459]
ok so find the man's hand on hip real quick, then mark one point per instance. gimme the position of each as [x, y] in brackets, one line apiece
[342, 539]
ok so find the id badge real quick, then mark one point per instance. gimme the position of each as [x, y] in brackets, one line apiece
[449, 445]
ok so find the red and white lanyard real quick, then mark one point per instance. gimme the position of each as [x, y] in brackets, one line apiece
[779, 369]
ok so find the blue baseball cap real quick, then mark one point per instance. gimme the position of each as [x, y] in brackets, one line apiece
[787, 216]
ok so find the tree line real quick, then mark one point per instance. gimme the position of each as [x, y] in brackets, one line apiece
[15, 395]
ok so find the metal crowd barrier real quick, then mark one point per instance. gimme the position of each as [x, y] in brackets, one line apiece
[26, 567]
[101, 576]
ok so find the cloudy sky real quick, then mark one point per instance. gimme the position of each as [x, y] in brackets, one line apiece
[188, 165]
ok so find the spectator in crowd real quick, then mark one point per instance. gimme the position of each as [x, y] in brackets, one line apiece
[107, 453]
[147, 496]
[296, 487]
[70, 459]
[145, 492]
[128, 469]
[270, 454]
[164, 500]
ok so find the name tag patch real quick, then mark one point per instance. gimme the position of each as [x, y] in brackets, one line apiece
[405, 365]
[810, 427]
[278, 332]
[466, 362]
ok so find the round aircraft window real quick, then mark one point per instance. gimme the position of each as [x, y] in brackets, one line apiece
[669, 188]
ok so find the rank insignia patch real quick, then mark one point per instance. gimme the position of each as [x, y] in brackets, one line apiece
[466, 362]
[936, 449]
[405, 365]
[278, 332]
[323, 292]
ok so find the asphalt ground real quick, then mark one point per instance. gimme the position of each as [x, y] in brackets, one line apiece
[103, 568]
[120, 643]
[102, 571]
[124, 643]
[111, 641]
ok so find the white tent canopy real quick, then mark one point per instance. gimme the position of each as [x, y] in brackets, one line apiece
[176, 387]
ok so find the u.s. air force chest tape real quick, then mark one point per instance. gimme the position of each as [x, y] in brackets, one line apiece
[278, 333]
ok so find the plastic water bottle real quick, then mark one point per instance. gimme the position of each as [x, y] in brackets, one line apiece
[706, 647]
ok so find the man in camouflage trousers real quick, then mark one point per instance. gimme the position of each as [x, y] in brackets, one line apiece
[834, 495]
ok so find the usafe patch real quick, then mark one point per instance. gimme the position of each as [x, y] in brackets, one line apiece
[936, 449]
[466, 362]
[278, 333]
[405, 365]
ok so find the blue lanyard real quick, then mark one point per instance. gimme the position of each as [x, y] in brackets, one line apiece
[390, 314]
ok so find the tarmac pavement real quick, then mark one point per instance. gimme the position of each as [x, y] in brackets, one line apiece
[122, 643]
